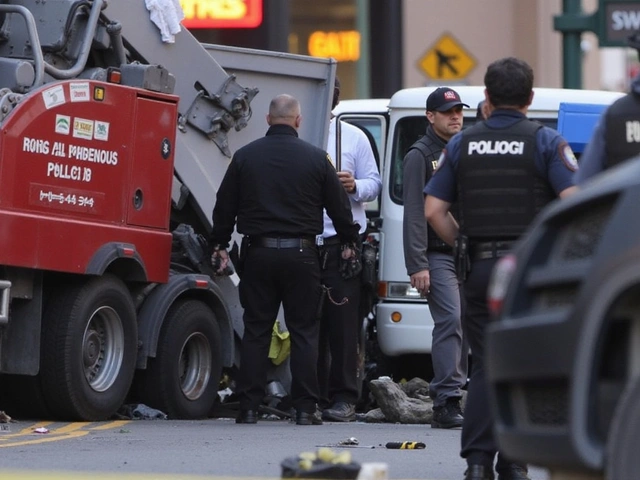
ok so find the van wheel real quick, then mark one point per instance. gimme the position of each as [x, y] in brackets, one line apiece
[622, 460]
[182, 380]
[89, 348]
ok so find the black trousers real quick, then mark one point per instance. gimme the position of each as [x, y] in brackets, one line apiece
[479, 446]
[272, 276]
[339, 333]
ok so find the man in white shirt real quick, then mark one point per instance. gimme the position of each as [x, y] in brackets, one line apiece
[340, 322]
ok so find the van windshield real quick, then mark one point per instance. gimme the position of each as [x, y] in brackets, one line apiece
[410, 129]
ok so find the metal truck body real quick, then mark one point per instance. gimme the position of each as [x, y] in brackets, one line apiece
[403, 323]
[113, 146]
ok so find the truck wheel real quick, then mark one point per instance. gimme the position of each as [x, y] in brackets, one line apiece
[182, 380]
[622, 460]
[89, 348]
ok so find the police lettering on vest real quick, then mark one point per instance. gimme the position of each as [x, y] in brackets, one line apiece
[633, 131]
[499, 188]
[622, 130]
[496, 147]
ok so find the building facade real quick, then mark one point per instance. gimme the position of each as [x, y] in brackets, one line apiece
[384, 45]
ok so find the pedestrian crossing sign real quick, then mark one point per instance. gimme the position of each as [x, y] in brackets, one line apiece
[447, 59]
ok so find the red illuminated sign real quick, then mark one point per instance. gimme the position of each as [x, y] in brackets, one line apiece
[222, 13]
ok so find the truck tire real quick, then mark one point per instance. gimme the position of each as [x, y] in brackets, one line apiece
[622, 460]
[89, 348]
[182, 380]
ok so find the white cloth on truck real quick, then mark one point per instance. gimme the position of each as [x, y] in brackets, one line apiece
[166, 14]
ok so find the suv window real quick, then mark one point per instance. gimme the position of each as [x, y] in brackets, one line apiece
[410, 129]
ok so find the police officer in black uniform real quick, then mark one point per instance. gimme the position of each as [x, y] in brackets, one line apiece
[276, 188]
[502, 172]
[617, 135]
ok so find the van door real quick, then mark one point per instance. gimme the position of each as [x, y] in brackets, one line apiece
[375, 127]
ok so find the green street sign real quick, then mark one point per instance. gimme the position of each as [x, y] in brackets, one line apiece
[617, 20]
[613, 22]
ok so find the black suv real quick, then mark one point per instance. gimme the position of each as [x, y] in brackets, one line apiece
[563, 355]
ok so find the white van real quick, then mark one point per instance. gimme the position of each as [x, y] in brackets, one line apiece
[403, 324]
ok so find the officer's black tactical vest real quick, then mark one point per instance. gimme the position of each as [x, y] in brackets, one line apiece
[622, 133]
[431, 152]
[499, 188]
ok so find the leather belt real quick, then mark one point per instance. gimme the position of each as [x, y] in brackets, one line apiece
[488, 250]
[277, 242]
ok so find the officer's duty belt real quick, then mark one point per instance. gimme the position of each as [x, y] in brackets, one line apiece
[333, 240]
[487, 250]
[276, 242]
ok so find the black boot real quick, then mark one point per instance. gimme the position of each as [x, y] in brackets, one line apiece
[513, 471]
[308, 418]
[448, 415]
[478, 472]
[247, 416]
[340, 412]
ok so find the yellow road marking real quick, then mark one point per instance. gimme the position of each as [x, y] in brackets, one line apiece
[16, 475]
[72, 427]
[64, 432]
[25, 431]
[109, 425]
[45, 439]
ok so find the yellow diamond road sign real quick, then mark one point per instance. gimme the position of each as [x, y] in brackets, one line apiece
[446, 59]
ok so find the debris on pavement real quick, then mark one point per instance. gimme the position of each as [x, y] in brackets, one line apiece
[373, 471]
[406, 445]
[397, 406]
[41, 430]
[337, 445]
[4, 418]
[323, 463]
[139, 411]
[351, 442]
[224, 394]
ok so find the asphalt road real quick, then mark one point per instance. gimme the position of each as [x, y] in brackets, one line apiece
[215, 448]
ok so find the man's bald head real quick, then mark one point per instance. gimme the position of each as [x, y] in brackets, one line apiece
[284, 110]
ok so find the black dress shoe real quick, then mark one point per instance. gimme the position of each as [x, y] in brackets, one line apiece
[247, 416]
[340, 412]
[448, 415]
[478, 472]
[306, 418]
[514, 471]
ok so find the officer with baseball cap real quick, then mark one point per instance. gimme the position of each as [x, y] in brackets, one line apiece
[429, 260]
[443, 99]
